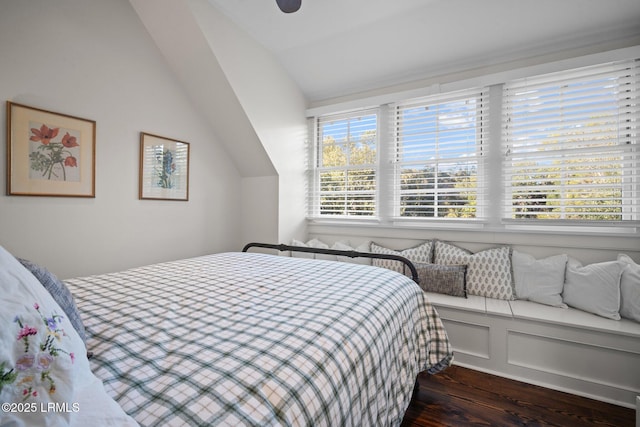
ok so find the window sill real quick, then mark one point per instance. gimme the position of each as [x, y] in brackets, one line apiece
[479, 226]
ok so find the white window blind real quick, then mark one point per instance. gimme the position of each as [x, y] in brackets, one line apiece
[346, 165]
[570, 144]
[438, 155]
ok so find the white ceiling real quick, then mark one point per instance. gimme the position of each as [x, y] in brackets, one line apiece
[338, 47]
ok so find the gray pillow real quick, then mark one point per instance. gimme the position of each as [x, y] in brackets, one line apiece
[443, 279]
[60, 294]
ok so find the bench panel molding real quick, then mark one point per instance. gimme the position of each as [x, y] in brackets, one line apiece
[600, 361]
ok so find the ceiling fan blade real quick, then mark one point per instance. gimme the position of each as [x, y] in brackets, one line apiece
[289, 6]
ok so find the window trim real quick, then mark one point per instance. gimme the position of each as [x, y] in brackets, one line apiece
[314, 206]
[576, 138]
[480, 110]
[493, 221]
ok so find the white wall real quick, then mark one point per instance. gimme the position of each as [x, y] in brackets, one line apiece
[259, 211]
[275, 107]
[94, 59]
[255, 106]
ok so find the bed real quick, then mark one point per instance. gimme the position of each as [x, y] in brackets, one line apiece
[259, 339]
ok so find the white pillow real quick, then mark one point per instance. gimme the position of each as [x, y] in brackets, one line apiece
[488, 271]
[43, 359]
[309, 255]
[594, 288]
[313, 243]
[364, 247]
[630, 289]
[540, 280]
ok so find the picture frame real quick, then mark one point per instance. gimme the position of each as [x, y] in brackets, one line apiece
[49, 154]
[164, 168]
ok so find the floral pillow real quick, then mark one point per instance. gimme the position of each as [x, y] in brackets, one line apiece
[43, 362]
[43, 348]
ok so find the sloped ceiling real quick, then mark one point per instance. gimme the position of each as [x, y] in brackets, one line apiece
[333, 48]
[336, 48]
[176, 32]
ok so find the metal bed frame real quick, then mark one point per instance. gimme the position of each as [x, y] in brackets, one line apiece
[350, 254]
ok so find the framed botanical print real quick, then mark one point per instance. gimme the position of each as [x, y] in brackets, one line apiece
[49, 154]
[164, 168]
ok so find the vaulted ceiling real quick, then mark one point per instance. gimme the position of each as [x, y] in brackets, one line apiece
[338, 47]
[252, 69]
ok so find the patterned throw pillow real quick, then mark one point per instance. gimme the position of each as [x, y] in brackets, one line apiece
[443, 279]
[60, 294]
[488, 271]
[421, 253]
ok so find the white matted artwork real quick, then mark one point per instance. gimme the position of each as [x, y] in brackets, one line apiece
[49, 154]
[164, 168]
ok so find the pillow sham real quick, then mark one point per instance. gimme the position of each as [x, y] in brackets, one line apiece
[364, 247]
[313, 243]
[43, 360]
[629, 289]
[594, 288]
[421, 253]
[296, 254]
[488, 271]
[60, 294]
[443, 279]
[539, 280]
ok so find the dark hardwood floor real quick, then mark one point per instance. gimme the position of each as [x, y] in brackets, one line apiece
[463, 397]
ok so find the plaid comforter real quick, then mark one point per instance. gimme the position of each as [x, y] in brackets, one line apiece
[253, 339]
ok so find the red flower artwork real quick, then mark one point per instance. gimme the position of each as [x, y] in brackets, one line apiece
[69, 141]
[44, 134]
[52, 158]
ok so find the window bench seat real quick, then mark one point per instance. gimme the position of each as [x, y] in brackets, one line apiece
[563, 349]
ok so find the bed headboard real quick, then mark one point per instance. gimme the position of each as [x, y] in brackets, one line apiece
[350, 254]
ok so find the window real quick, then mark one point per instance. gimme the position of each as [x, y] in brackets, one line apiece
[570, 143]
[346, 165]
[437, 156]
[562, 155]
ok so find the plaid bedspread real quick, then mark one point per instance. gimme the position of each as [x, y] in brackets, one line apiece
[254, 339]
